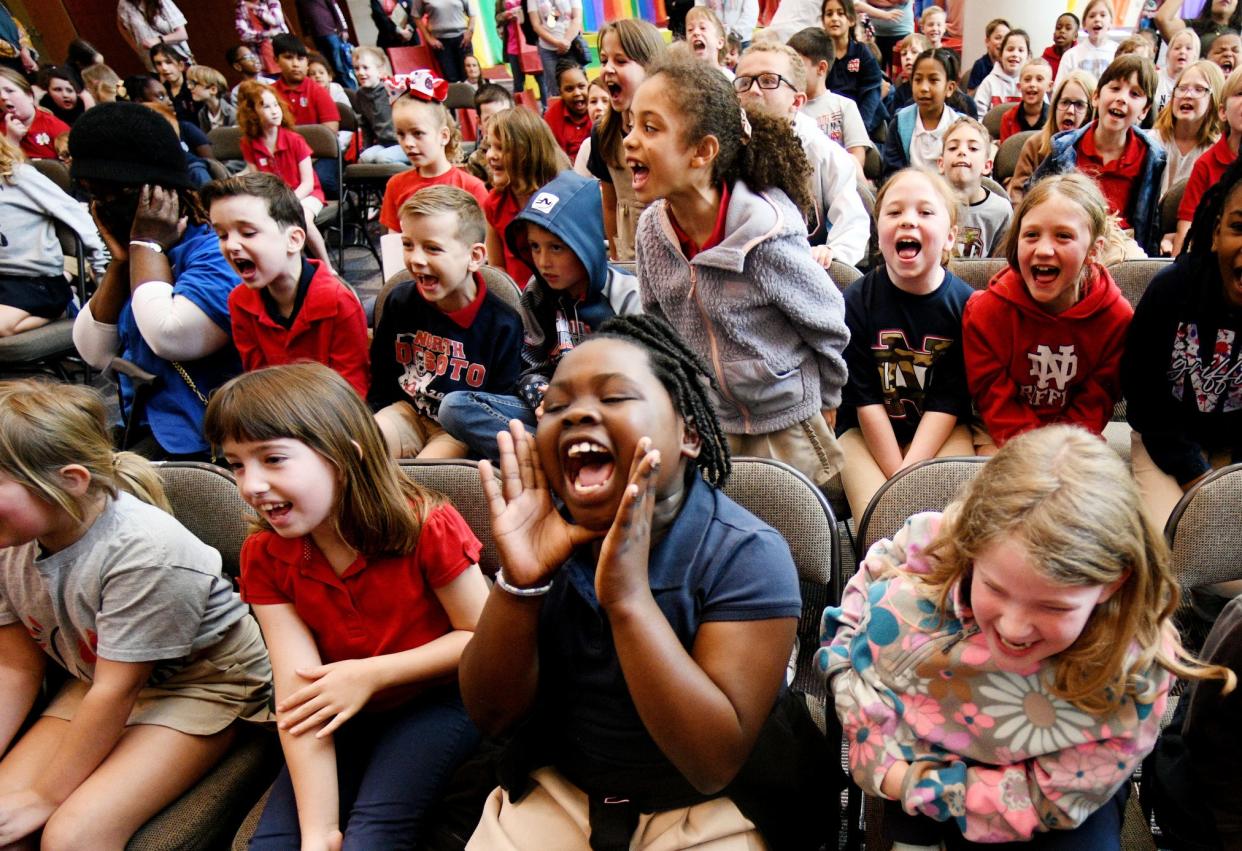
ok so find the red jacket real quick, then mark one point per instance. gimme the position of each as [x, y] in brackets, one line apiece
[331, 328]
[1028, 368]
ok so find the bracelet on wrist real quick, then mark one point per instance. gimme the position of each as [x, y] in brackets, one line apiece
[534, 591]
[147, 243]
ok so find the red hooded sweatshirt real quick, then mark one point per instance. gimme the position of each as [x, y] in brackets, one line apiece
[1028, 368]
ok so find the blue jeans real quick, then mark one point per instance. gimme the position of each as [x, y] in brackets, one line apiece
[474, 418]
[391, 769]
[325, 170]
[338, 52]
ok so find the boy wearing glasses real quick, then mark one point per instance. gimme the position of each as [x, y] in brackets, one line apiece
[771, 79]
[836, 115]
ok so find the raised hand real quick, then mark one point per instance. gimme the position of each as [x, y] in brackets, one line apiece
[622, 568]
[532, 537]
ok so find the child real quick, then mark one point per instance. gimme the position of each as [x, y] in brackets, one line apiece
[1040, 606]
[286, 309]
[1126, 161]
[597, 108]
[1096, 53]
[33, 289]
[1034, 86]
[706, 37]
[170, 67]
[567, 115]
[916, 133]
[906, 398]
[723, 254]
[256, 23]
[162, 657]
[1190, 124]
[207, 86]
[1001, 85]
[839, 226]
[26, 124]
[983, 222]
[733, 51]
[1064, 36]
[101, 83]
[932, 25]
[488, 101]
[899, 94]
[430, 139]
[1043, 342]
[573, 292]
[319, 70]
[1214, 17]
[522, 156]
[855, 73]
[270, 144]
[995, 31]
[474, 71]
[62, 97]
[379, 137]
[1183, 50]
[447, 27]
[1180, 372]
[367, 587]
[557, 27]
[678, 654]
[246, 62]
[1224, 50]
[838, 117]
[1072, 107]
[627, 48]
[309, 102]
[441, 331]
[1215, 161]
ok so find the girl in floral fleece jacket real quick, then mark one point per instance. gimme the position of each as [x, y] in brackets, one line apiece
[1002, 669]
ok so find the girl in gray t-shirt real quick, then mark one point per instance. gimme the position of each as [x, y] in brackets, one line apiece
[163, 656]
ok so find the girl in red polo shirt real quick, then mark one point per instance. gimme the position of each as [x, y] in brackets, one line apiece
[271, 145]
[28, 125]
[367, 589]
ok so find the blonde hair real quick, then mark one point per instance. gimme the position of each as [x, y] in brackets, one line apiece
[529, 151]
[797, 70]
[101, 81]
[1190, 34]
[378, 510]
[205, 75]
[1034, 62]
[1107, 4]
[434, 200]
[1135, 44]
[45, 427]
[966, 121]
[930, 12]
[377, 56]
[1070, 501]
[1079, 190]
[1084, 81]
[918, 41]
[941, 187]
[453, 147]
[10, 156]
[714, 19]
[1209, 127]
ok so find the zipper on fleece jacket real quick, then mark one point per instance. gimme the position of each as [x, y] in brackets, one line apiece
[935, 644]
[715, 347]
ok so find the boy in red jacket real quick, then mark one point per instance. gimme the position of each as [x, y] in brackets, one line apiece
[287, 308]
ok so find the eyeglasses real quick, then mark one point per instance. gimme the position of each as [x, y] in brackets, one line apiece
[1073, 105]
[768, 81]
[1191, 91]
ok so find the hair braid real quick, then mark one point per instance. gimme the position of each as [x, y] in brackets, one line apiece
[687, 379]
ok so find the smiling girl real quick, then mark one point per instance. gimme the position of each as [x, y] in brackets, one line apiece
[855, 73]
[1095, 52]
[1183, 50]
[1043, 342]
[1072, 106]
[1001, 86]
[1189, 124]
[915, 134]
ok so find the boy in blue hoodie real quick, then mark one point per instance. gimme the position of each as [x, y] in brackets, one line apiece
[572, 293]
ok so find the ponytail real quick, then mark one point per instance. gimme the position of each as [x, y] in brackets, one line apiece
[138, 477]
[773, 158]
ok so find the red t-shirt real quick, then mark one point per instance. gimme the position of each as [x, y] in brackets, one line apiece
[329, 328]
[1115, 179]
[283, 162]
[570, 132]
[37, 144]
[501, 207]
[402, 186]
[378, 605]
[688, 247]
[1208, 171]
[309, 101]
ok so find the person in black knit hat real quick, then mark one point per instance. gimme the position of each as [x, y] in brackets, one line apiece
[163, 302]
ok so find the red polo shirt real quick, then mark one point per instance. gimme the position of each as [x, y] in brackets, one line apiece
[329, 328]
[284, 162]
[570, 132]
[500, 208]
[687, 244]
[1115, 179]
[309, 101]
[378, 605]
[38, 143]
[1208, 171]
[402, 186]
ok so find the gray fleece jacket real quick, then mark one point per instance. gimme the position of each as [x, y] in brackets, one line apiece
[764, 315]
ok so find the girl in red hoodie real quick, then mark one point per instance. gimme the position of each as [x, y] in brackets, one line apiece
[1043, 342]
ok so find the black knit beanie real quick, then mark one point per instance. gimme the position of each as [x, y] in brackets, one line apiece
[127, 143]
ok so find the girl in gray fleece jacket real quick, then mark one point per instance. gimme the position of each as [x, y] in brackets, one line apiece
[723, 256]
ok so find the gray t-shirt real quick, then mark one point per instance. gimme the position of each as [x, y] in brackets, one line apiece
[137, 587]
[982, 227]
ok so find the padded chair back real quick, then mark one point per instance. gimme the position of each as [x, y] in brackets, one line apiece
[1008, 153]
[843, 274]
[1169, 204]
[873, 164]
[407, 59]
[994, 187]
[226, 143]
[458, 480]
[323, 142]
[978, 271]
[204, 498]
[1133, 276]
[927, 486]
[992, 120]
[55, 171]
[867, 197]
[349, 118]
[460, 96]
[468, 121]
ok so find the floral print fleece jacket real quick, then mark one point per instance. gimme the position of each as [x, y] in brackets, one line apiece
[994, 751]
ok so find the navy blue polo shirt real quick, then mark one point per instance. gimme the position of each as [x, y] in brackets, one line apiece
[717, 562]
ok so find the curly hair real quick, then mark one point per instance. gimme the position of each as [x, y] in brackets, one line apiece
[771, 158]
[250, 99]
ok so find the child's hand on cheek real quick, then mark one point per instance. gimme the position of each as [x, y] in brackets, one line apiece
[621, 573]
[338, 692]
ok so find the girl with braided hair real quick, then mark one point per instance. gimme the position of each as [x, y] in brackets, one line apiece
[634, 645]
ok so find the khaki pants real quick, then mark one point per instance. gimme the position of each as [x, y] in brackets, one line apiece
[808, 446]
[554, 817]
[862, 477]
[1160, 491]
[409, 434]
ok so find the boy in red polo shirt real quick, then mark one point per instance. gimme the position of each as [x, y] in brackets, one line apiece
[567, 115]
[1125, 161]
[287, 308]
[308, 101]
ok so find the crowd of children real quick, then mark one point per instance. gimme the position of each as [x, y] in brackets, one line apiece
[607, 298]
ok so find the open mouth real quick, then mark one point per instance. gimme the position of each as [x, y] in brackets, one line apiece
[427, 284]
[588, 468]
[698, 45]
[639, 173]
[245, 268]
[1045, 275]
[274, 512]
[1226, 65]
[908, 248]
[1013, 646]
[1067, 123]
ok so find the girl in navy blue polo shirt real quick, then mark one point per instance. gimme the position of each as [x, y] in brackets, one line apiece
[636, 647]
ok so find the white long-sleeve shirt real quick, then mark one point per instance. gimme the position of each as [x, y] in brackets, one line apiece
[834, 189]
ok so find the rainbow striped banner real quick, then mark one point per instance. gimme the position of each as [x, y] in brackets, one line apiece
[595, 13]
